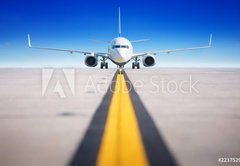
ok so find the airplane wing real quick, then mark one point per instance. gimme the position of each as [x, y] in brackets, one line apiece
[70, 51]
[173, 50]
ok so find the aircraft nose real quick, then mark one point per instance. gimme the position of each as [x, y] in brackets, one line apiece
[120, 52]
[121, 55]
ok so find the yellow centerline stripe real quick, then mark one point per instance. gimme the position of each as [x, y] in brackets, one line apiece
[121, 143]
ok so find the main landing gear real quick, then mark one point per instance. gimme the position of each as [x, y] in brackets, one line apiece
[135, 64]
[104, 63]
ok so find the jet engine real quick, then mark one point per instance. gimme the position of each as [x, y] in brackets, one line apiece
[148, 60]
[91, 61]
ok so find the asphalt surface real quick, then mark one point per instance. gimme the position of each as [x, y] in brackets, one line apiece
[198, 126]
[196, 112]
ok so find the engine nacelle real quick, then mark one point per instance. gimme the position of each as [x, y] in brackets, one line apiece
[91, 61]
[149, 60]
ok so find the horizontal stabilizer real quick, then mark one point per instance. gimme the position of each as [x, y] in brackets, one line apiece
[100, 41]
[135, 41]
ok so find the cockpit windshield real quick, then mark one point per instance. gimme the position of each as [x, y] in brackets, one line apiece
[120, 46]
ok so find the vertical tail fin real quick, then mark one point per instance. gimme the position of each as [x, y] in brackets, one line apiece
[119, 22]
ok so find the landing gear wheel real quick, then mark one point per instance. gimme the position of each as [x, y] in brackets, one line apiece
[102, 65]
[133, 65]
[138, 66]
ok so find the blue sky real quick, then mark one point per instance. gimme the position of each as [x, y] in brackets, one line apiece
[170, 24]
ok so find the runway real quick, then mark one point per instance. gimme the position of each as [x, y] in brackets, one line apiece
[172, 116]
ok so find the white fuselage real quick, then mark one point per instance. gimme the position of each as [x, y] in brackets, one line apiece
[120, 50]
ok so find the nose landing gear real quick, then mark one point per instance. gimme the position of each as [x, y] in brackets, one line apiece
[136, 64]
[104, 64]
[120, 69]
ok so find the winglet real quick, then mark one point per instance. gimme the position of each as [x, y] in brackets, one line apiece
[29, 43]
[210, 40]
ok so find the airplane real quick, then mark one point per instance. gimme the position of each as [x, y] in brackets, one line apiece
[120, 52]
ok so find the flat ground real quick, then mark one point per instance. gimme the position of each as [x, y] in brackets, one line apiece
[197, 112]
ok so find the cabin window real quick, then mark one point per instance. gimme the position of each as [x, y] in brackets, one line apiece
[124, 46]
[120, 46]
